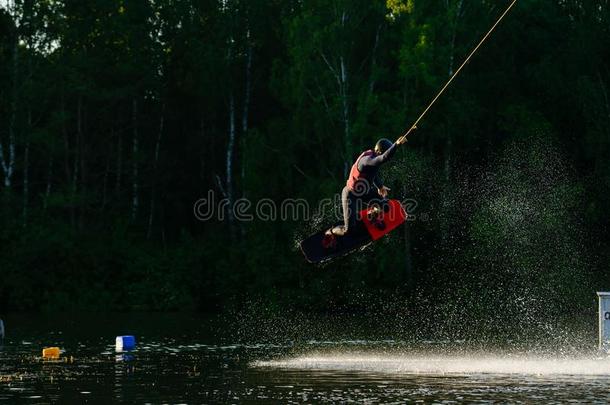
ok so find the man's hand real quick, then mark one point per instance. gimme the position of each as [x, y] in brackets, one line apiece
[383, 191]
[403, 139]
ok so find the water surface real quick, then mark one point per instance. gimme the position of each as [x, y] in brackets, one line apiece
[188, 359]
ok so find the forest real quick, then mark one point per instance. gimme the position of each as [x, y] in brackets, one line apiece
[118, 116]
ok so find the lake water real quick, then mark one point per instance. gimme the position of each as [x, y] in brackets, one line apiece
[185, 359]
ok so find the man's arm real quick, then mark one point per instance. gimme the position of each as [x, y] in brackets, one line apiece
[377, 182]
[381, 189]
[378, 160]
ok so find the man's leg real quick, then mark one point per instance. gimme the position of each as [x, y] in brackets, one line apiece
[375, 202]
[348, 213]
[376, 206]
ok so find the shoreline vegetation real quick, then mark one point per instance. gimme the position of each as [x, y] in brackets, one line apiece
[115, 121]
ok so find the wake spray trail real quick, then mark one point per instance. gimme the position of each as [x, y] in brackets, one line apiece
[440, 365]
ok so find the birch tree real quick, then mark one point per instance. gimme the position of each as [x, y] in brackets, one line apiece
[333, 59]
[8, 146]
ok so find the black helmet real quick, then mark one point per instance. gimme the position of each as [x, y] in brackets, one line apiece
[382, 145]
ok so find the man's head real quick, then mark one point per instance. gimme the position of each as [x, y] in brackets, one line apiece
[382, 145]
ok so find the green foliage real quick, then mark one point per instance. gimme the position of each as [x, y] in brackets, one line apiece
[397, 7]
[125, 110]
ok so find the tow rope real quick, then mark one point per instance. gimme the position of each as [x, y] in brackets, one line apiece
[414, 126]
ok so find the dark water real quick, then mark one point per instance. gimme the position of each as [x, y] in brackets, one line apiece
[184, 359]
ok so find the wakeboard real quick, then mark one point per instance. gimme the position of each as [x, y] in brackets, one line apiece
[366, 230]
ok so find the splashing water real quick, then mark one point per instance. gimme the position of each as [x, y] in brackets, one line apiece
[441, 365]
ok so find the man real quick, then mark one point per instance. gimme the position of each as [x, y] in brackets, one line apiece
[363, 186]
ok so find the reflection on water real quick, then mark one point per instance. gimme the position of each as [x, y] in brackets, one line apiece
[193, 367]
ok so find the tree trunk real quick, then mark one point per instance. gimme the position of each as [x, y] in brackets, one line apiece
[458, 14]
[244, 117]
[344, 90]
[67, 170]
[105, 183]
[341, 76]
[75, 165]
[64, 132]
[26, 179]
[244, 121]
[119, 162]
[47, 192]
[82, 160]
[26, 172]
[374, 60]
[134, 165]
[363, 112]
[8, 164]
[409, 273]
[230, 147]
[345, 103]
[602, 86]
[449, 144]
[155, 164]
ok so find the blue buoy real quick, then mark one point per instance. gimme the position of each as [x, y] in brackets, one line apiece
[126, 342]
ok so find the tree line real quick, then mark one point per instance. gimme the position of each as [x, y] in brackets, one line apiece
[117, 116]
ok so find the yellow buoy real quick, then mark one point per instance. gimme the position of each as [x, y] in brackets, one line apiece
[50, 352]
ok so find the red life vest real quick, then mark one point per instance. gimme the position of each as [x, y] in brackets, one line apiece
[355, 174]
